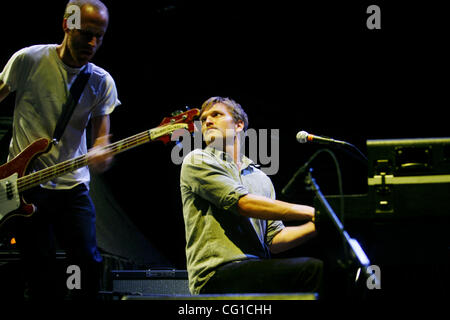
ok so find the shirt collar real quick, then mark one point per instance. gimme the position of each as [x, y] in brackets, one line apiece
[225, 156]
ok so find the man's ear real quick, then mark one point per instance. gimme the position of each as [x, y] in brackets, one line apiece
[64, 25]
[239, 125]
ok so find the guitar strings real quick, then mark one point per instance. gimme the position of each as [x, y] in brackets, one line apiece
[37, 177]
[41, 176]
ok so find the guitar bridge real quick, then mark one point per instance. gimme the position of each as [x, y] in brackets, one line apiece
[9, 195]
[9, 190]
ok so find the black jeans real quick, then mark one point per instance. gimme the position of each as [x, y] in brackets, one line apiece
[69, 217]
[267, 276]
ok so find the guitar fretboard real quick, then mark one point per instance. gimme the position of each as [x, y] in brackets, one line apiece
[36, 178]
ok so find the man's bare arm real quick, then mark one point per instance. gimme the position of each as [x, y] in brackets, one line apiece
[255, 206]
[291, 237]
[100, 160]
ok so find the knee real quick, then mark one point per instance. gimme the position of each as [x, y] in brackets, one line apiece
[315, 265]
[312, 274]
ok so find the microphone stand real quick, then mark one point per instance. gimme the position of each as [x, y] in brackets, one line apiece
[352, 246]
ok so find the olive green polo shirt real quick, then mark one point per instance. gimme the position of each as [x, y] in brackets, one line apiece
[211, 185]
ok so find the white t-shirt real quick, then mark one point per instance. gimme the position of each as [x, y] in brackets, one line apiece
[42, 83]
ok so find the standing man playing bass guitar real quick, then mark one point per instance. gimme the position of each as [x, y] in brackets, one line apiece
[42, 77]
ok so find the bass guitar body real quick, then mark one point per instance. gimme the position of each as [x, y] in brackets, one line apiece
[11, 202]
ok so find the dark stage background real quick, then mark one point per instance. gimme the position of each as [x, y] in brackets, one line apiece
[293, 66]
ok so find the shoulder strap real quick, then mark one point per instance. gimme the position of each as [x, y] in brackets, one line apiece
[74, 97]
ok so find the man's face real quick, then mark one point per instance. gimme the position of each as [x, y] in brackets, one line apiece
[218, 124]
[83, 43]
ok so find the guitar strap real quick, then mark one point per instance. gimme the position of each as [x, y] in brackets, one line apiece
[74, 97]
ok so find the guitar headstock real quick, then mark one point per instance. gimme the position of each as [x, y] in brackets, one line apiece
[179, 117]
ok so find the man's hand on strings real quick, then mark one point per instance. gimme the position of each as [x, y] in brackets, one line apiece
[100, 157]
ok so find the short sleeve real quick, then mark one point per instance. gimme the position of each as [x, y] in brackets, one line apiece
[273, 228]
[207, 178]
[108, 97]
[14, 69]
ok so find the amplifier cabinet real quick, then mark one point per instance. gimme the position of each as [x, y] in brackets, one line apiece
[153, 281]
[409, 178]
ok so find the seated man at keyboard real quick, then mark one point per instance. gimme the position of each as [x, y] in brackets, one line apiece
[232, 220]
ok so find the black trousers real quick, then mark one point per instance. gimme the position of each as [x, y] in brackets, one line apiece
[267, 276]
[67, 216]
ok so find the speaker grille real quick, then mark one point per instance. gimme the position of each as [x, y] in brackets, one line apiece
[142, 282]
[151, 286]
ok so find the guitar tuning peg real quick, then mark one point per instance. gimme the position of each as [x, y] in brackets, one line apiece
[176, 112]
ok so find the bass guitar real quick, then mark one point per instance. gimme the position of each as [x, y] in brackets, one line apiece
[14, 179]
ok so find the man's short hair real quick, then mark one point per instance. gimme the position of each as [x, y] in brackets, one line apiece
[80, 3]
[235, 109]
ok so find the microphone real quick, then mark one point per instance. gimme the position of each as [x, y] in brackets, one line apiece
[304, 137]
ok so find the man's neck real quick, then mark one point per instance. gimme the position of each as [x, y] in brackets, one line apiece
[234, 151]
[66, 57]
